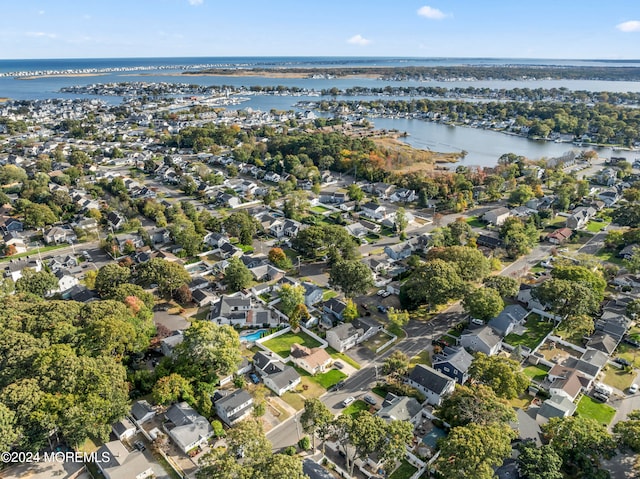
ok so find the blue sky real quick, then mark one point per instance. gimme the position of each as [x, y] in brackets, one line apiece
[399, 28]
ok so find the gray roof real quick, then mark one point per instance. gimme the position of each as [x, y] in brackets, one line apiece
[140, 409]
[457, 357]
[122, 462]
[399, 408]
[366, 323]
[602, 342]
[512, 314]
[486, 335]
[344, 330]
[430, 379]
[284, 377]
[122, 426]
[189, 426]
[226, 306]
[556, 406]
[233, 400]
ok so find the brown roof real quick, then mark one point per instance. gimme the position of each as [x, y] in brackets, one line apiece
[314, 357]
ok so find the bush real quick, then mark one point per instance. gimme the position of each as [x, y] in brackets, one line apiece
[289, 451]
[305, 443]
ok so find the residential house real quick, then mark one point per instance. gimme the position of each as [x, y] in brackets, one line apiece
[488, 241]
[116, 462]
[453, 362]
[591, 363]
[343, 337]
[244, 368]
[142, 412]
[403, 195]
[115, 220]
[62, 262]
[555, 406]
[606, 177]
[483, 340]
[373, 211]
[13, 224]
[234, 310]
[433, 384]
[168, 344]
[66, 280]
[160, 235]
[367, 326]
[13, 239]
[335, 307]
[497, 216]
[234, 407]
[382, 190]
[394, 287]
[123, 429]
[627, 251]
[272, 176]
[14, 268]
[215, 240]
[356, 229]
[399, 251]
[580, 217]
[604, 342]
[198, 283]
[312, 293]
[400, 408]
[267, 272]
[285, 227]
[511, 316]
[312, 360]
[525, 297]
[253, 261]
[227, 250]
[609, 197]
[277, 376]
[186, 427]
[559, 236]
[567, 382]
[203, 297]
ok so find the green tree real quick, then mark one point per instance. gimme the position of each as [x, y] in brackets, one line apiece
[237, 276]
[350, 311]
[581, 275]
[169, 276]
[500, 374]
[567, 297]
[241, 225]
[400, 220]
[474, 450]
[581, 442]
[397, 363]
[351, 276]
[9, 432]
[398, 317]
[299, 315]
[109, 277]
[475, 405]
[316, 420]
[538, 462]
[38, 283]
[470, 263]
[10, 174]
[208, 350]
[506, 287]
[280, 260]
[398, 435]
[483, 303]
[520, 195]
[355, 193]
[171, 389]
[290, 297]
[633, 263]
[125, 290]
[627, 432]
[435, 282]
[38, 216]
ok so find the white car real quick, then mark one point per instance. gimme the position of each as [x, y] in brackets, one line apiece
[380, 292]
[348, 401]
[633, 389]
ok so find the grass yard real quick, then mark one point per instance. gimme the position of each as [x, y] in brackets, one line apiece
[355, 407]
[536, 331]
[376, 341]
[475, 222]
[319, 209]
[629, 353]
[570, 335]
[618, 378]
[31, 252]
[310, 388]
[294, 400]
[521, 402]
[328, 379]
[422, 358]
[536, 373]
[596, 227]
[382, 392]
[342, 357]
[282, 344]
[404, 471]
[328, 294]
[601, 412]
[609, 256]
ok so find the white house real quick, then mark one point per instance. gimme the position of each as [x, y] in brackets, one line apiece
[234, 407]
[186, 427]
[433, 384]
[497, 216]
[277, 376]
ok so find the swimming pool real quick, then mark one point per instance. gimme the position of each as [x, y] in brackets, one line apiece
[252, 337]
[431, 438]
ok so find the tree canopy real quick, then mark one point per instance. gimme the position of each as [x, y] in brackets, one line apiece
[483, 303]
[470, 263]
[503, 375]
[351, 276]
[434, 282]
[237, 276]
[477, 404]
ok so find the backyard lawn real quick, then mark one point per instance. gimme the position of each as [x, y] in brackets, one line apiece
[608, 255]
[294, 400]
[536, 330]
[328, 379]
[282, 344]
[475, 222]
[596, 227]
[589, 407]
[355, 407]
[629, 353]
[319, 209]
[422, 358]
[536, 373]
[618, 378]
[405, 471]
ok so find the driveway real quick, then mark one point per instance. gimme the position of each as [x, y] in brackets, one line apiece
[173, 322]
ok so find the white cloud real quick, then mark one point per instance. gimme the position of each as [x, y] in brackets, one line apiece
[431, 13]
[358, 40]
[195, 3]
[41, 35]
[630, 26]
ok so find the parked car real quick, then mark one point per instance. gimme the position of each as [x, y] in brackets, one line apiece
[440, 342]
[600, 397]
[382, 309]
[477, 321]
[380, 292]
[370, 400]
[622, 361]
[629, 340]
[338, 364]
[348, 401]
[633, 389]
[254, 378]
[87, 256]
[139, 445]
[386, 294]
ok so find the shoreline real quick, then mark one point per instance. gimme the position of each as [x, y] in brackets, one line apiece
[60, 75]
